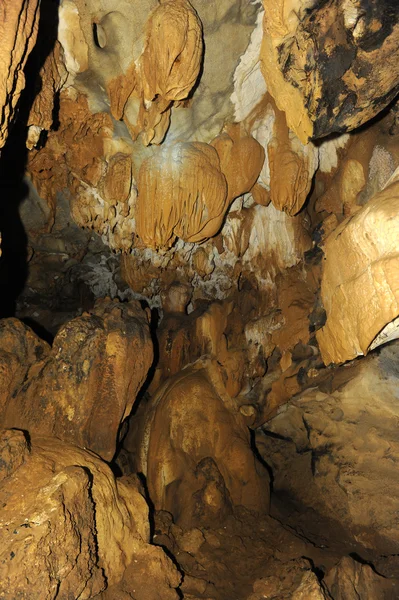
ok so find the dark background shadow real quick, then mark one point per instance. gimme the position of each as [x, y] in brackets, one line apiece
[13, 189]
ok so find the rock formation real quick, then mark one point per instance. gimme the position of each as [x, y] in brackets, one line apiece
[199, 225]
[18, 25]
[82, 388]
[75, 529]
[341, 455]
[354, 38]
[360, 277]
[193, 446]
[182, 192]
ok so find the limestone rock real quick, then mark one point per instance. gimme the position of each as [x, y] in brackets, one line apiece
[350, 579]
[183, 338]
[74, 529]
[294, 581]
[52, 77]
[358, 41]
[254, 245]
[360, 285]
[171, 60]
[72, 39]
[82, 156]
[84, 388]
[19, 21]
[292, 166]
[334, 455]
[193, 446]
[241, 160]
[182, 192]
[20, 349]
[366, 164]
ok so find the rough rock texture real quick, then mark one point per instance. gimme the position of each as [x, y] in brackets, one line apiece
[20, 349]
[351, 579]
[295, 581]
[18, 31]
[52, 77]
[193, 446]
[74, 529]
[241, 160]
[324, 64]
[255, 244]
[170, 63]
[151, 126]
[360, 285]
[292, 166]
[333, 452]
[98, 159]
[82, 388]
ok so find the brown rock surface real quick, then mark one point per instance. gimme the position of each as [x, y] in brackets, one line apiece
[292, 166]
[358, 41]
[193, 446]
[74, 529]
[360, 284]
[20, 349]
[85, 386]
[182, 192]
[294, 581]
[333, 452]
[170, 63]
[241, 160]
[52, 77]
[19, 21]
[351, 579]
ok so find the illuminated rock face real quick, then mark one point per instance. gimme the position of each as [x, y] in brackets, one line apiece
[19, 21]
[187, 138]
[360, 285]
[321, 457]
[196, 466]
[82, 388]
[182, 192]
[121, 65]
[75, 529]
[324, 64]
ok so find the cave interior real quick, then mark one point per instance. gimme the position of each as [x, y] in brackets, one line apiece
[199, 308]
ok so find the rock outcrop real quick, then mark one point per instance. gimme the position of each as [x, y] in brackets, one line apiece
[324, 64]
[82, 388]
[19, 21]
[333, 452]
[360, 285]
[197, 245]
[182, 192]
[75, 529]
[192, 444]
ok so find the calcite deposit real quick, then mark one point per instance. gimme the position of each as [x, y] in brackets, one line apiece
[198, 220]
[193, 446]
[82, 388]
[360, 285]
[52, 76]
[182, 192]
[74, 529]
[19, 22]
[341, 451]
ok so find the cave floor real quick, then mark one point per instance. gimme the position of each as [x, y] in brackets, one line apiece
[244, 556]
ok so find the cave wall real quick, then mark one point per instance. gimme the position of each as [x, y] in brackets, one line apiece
[211, 230]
